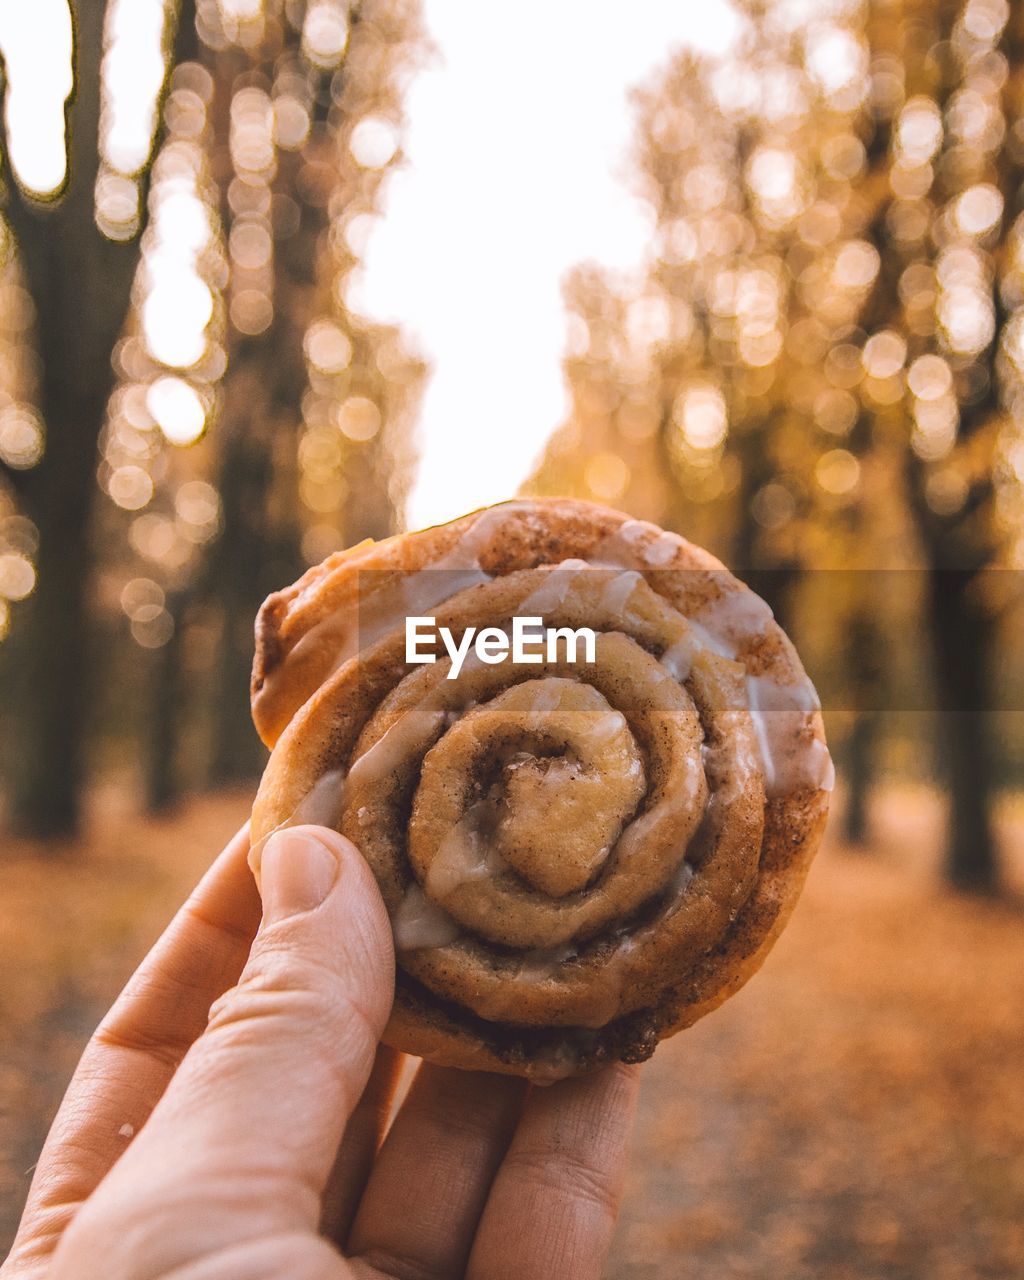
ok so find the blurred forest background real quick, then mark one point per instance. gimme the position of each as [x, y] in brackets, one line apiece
[192, 414]
[819, 375]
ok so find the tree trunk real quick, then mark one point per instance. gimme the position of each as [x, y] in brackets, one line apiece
[248, 562]
[81, 286]
[257, 551]
[51, 655]
[863, 656]
[775, 579]
[161, 732]
[963, 634]
[860, 773]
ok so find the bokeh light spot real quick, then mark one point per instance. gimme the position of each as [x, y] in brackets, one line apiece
[177, 410]
[153, 630]
[251, 311]
[328, 347]
[979, 209]
[884, 354]
[856, 265]
[325, 32]
[606, 476]
[21, 437]
[36, 43]
[359, 418]
[17, 576]
[374, 142]
[837, 472]
[701, 416]
[141, 597]
[175, 315]
[929, 377]
[198, 503]
[835, 411]
[130, 487]
[133, 70]
[773, 506]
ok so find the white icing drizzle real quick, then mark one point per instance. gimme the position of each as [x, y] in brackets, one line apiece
[614, 981]
[542, 962]
[683, 875]
[414, 727]
[662, 549]
[419, 923]
[550, 595]
[465, 554]
[780, 712]
[824, 770]
[678, 657]
[630, 546]
[714, 643]
[464, 855]
[547, 697]
[422, 591]
[726, 783]
[321, 805]
[554, 1064]
[619, 589]
[596, 732]
[767, 694]
[633, 532]
[739, 613]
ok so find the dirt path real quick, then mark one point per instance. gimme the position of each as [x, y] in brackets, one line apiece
[853, 1114]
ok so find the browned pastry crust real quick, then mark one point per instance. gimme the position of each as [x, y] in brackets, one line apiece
[579, 858]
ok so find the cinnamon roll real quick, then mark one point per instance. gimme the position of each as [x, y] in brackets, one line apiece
[582, 851]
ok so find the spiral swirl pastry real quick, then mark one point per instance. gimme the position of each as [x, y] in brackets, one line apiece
[581, 853]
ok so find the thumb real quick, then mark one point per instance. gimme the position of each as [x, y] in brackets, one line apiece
[252, 1120]
[289, 1049]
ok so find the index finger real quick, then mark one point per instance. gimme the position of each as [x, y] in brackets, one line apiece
[553, 1204]
[136, 1049]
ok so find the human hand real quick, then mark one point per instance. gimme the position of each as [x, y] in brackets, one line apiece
[247, 1139]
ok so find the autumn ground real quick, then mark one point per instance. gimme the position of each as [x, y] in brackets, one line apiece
[856, 1112]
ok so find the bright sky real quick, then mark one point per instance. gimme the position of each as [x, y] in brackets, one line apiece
[518, 139]
[517, 142]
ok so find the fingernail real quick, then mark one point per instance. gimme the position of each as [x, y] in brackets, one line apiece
[297, 873]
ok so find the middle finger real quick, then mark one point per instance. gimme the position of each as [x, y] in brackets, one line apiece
[426, 1193]
[359, 1145]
